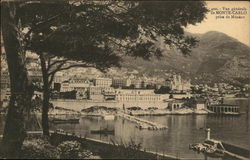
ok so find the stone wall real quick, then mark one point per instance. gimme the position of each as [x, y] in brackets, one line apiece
[78, 105]
[107, 150]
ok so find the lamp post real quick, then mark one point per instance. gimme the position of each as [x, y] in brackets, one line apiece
[208, 133]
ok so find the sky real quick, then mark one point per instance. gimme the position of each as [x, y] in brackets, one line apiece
[236, 28]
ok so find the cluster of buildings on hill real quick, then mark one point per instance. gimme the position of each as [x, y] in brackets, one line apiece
[103, 89]
[125, 88]
[178, 84]
[100, 88]
[222, 90]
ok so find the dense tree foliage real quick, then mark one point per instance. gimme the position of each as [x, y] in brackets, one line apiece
[163, 90]
[87, 31]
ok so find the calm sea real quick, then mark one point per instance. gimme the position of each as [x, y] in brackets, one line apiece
[182, 131]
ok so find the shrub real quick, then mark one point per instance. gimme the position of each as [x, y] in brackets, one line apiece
[133, 145]
[38, 149]
[72, 149]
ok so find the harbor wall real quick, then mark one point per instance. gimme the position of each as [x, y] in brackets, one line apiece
[78, 105]
[109, 150]
[236, 149]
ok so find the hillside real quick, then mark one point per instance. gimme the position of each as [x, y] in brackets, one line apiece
[217, 57]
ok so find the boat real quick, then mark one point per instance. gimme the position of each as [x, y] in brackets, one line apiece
[59, 120]
[103, 131]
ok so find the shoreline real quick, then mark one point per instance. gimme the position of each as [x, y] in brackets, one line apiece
[238, 98]
[152, 113]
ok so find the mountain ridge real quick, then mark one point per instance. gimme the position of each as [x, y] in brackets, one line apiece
[217, 55]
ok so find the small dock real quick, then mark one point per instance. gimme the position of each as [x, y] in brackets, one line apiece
[215, 147]
[142, 123]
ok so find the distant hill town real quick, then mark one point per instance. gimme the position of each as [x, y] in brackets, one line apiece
[217, 58]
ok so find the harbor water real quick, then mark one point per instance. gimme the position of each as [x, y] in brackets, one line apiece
[182, 131]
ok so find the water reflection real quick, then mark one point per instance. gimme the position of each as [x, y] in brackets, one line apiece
[182, 131]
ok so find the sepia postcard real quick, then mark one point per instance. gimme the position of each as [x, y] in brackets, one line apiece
[83, 79]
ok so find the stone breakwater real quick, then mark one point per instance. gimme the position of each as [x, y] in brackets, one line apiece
[78, 105]
[142, 123]
[162, 112]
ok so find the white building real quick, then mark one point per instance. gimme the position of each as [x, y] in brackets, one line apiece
[137, 83]
[200, 104]
[179, 84]
[103, 82]
[181, 95]
[121, 82]
[74, 84]
[138, 95]
[95, 93]
[65, 87]
[175, 104]
[5, 79]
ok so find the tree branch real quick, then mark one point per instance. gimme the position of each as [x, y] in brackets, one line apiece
[118, 44]
[77, 65]
[59, 68]
[51, 79]
[39, 24]
[56, 62]
[56, 70]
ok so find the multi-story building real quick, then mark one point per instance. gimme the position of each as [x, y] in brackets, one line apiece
[180, 95]
[74, 84]
[59, 77]
[179, 84]
[95, 93]
[5, 79]
[138, 95]
[65, 87]
[109, 93]
[35, 76]
[121, 82]
[137, 83]
[103, 82]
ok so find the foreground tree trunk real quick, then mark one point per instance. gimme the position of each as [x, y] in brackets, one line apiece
[21, 90]
[46, 87]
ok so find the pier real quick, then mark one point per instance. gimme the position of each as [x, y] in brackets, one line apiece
[142, 123]
[215, 147]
